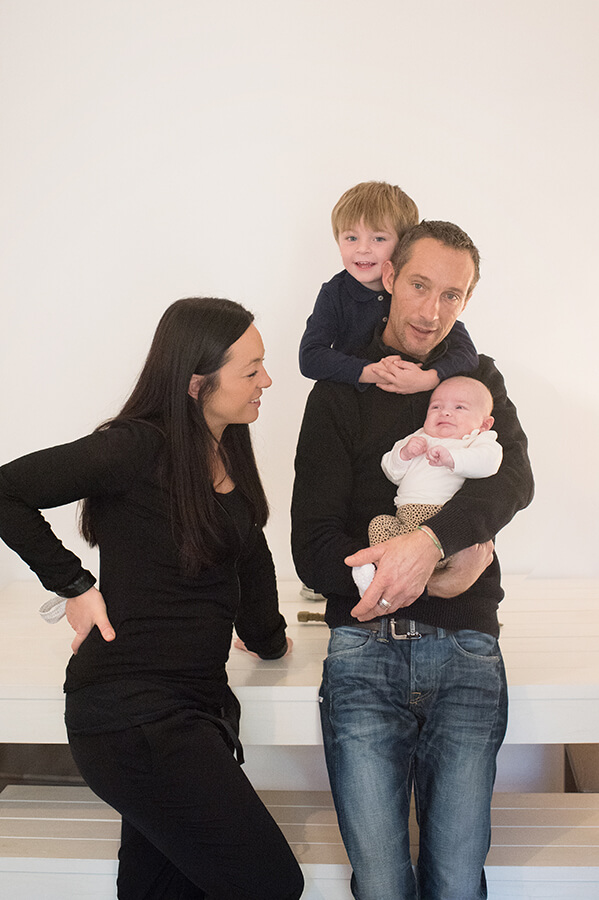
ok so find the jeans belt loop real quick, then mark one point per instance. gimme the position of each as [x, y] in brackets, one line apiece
[411, 635]
[383, 635]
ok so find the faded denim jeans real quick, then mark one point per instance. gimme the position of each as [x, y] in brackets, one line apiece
[428, 713]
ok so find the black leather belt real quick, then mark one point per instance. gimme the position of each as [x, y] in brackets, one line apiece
[400, 629]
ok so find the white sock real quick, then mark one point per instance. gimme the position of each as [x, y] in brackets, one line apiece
[363, 576]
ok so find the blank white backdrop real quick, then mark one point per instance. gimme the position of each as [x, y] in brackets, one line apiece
[153, 149]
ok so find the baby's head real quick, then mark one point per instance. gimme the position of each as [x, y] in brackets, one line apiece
[458, 406]
[368, 221]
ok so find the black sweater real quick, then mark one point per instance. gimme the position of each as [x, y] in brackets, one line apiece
[173, 630]
[340, 487]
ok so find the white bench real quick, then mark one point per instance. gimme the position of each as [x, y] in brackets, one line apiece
[549, 640]
[58, 843]
[544, 845]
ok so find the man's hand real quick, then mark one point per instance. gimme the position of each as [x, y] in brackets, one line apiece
[440, 456]
[85, 611]
[461, 571]
[404, 566]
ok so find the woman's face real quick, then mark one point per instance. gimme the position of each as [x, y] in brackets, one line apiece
[241, 381]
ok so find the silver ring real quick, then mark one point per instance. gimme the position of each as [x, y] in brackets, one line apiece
[382, 602]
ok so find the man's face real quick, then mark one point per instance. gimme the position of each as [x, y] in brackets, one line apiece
[428, 294]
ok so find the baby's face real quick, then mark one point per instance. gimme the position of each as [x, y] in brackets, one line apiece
[457, 407]
[364, 250]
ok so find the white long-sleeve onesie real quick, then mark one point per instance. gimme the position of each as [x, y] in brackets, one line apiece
[476, 455]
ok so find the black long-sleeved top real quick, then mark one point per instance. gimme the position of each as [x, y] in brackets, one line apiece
[173, 630]
[340, 486]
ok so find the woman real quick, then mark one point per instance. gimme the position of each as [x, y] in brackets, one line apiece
[173, 499]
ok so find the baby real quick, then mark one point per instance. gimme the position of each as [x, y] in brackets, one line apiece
[429, 466]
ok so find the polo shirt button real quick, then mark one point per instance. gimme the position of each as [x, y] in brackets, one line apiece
[380, 297]
[385, 318]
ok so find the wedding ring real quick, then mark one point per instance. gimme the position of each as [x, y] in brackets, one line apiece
[382, 602]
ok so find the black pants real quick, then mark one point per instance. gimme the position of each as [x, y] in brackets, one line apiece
[193, 826]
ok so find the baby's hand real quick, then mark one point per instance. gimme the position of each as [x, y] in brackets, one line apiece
[440, 456]
[416, 446]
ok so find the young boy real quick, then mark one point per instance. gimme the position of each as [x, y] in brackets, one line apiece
[430, 465]
[368, 221]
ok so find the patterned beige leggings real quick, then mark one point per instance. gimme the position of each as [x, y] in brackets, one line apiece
[406, 519]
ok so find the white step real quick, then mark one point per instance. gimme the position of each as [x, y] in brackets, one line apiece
[59, 843]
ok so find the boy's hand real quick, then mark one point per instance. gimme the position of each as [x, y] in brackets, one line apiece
[370, 374]
[399, 376]
[377, 373]
[416, 446]
[440, 456]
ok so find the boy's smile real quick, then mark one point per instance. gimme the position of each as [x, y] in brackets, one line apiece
[364, 250]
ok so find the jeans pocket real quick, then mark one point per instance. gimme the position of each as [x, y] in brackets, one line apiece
[346, 639]
[476, 645]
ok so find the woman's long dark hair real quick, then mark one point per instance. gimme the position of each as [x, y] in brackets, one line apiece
[193, 337]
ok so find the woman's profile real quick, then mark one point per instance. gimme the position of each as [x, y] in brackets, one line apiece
[173, 499]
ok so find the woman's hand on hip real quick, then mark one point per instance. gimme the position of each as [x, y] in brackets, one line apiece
[85, 611]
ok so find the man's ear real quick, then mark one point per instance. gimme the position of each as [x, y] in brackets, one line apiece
[388, 275]
[467, 300]
[194, 386]
[487, 424]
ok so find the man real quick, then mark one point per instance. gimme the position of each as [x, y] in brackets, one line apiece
[413, 689]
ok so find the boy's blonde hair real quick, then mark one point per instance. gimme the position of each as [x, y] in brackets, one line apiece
[377, 203]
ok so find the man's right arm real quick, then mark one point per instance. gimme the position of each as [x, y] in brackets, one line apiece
[322, 497]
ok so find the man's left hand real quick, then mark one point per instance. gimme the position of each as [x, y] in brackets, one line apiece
[403, 567]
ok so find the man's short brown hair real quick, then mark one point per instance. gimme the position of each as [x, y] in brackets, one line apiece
[446, 233]
[378, 204]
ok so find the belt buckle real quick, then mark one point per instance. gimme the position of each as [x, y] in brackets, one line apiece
[411, 635]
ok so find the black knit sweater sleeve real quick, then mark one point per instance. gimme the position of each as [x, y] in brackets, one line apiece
[104, 462]
[322, 493]
[259, 623]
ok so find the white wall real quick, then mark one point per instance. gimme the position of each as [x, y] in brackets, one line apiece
[153, 149]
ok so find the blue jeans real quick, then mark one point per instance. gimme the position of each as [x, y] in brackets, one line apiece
[428, 713]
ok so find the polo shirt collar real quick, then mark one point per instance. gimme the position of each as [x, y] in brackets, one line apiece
[361, 293]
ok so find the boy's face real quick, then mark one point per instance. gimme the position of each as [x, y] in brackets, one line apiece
[457, 407]
[364, 251]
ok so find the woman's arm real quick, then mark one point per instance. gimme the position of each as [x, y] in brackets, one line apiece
[259, 623]
[102, 463]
